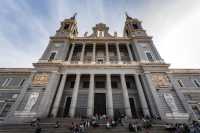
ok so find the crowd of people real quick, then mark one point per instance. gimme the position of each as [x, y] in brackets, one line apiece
[80, 127]
[194, 127]
[134, 126]
[139, 126]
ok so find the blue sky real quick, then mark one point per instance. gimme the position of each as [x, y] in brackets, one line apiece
[25, 26]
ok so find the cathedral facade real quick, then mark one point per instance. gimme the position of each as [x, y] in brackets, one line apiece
[100, 73]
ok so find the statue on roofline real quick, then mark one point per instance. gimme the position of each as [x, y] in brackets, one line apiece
[74, 16]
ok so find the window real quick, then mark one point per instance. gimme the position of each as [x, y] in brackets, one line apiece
[100, 33]
[86, 84]
[99, 84]
[66, 26]
[114, 84]
[149, 56]
[6, 82]
[5, 110]
[52, 56]
[135, 26]
[128, 84]
[72, 84]
[196, 83]
[21, 83]
[180, 82]
[100, 61]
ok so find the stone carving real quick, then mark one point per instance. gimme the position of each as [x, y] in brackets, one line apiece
[40, 79]
[160, 80]
[170, 102]
[31, 101]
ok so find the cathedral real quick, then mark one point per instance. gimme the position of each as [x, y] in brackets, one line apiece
[100, 73]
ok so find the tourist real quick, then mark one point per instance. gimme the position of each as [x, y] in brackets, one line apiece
[38, 129]
[57, 124]
[76, 129]
[81, 129]
[108, 125]
[72, 127]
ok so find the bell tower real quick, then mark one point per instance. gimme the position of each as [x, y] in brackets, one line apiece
[133, 27]
[68, 28]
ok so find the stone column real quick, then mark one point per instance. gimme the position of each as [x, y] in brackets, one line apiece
[129, 52]
[74, 96]
[109, 95]
[107, 53]
[153, 97]
[59, 96]
[94, 53]
[71, 53]
[125, 96]
[82, 53]
[142, 96]
[118, 53]
[91, 97]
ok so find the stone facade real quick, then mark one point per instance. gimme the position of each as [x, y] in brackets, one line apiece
[100, 73]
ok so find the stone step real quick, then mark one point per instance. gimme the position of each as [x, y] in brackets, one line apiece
[102, 129]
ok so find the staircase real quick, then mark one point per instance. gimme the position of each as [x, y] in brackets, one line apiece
[47, 126]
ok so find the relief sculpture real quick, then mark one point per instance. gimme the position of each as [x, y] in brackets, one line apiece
[40, 79]
[160, 80]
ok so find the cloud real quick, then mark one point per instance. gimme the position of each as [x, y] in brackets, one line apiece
[25, 26]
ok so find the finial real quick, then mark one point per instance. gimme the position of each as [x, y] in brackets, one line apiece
[74, 16]
[127, 16]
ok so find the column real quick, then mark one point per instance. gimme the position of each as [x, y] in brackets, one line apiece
[94, 53]
[74, 96]
[71, 53]
[107, 53]
[154, 100]
[109, 95]
[82, 53]
[118, 53]
[125, 96]
[129, 52]
[91, 97]
[142, 96]
[59, 96]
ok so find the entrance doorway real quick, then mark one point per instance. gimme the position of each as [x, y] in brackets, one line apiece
[133, 110]
[100, 103]
[67, 106]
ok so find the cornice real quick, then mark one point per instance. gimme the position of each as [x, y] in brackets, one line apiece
[185, 71]
[16, 70]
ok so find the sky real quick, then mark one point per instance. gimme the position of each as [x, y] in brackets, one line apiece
[26, 25]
